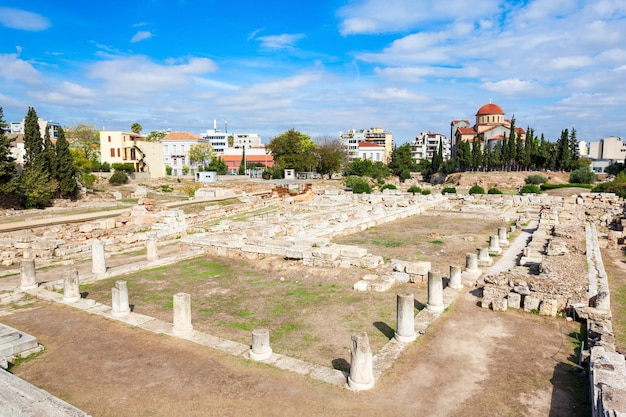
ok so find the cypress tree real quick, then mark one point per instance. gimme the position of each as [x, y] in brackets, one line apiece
[68, 187]
[50, 160]
[573, 150]
[8, 167]
[36, 186]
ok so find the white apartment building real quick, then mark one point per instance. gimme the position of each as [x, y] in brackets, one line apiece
[217, 139]
[18, 127]
[176, 147]
[611, 148]
[371, 151]
[376, 135]
[427, 143]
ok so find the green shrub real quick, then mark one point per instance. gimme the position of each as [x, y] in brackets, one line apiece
[582, 176]
[547, 186]
[358, 185]
[476, 189]
[425, 192]
[166, 188]
[185, 169]
[118, 178]
[535, 179]
[87, 180]
[494, 191]
[388, 187]
[168, 170]
[266, 175]
[449, 190]
[104, 167]
[414, 189]
[530, 189]
[123, 167]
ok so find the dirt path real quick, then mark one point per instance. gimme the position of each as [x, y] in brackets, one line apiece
[471, 362]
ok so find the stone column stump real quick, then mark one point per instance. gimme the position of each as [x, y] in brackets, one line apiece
[455, 277]
[361, 367]
[503, 239]
[435, 293]
[97, 257]
[471, 262]
[71, 290]
[483, 257]
[182, 315]
[119, 303]
[260, 349]
[152, 247]
[494, 245]
[405, 318]
[28, 274]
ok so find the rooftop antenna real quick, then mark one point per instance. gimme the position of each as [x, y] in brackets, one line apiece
[215, 125]
[226, 126]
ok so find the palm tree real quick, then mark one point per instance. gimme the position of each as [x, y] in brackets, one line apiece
[136, 127]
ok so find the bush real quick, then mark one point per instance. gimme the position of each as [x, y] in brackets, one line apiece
[535, 179]
[185, 169]
[358, 185]
[118, 178]
[414, 189]
[449, 190]
[494, 191]
[123, 167]
[266, 175]
[104, 167]
[582, 176]
[166, 188]
[547, 186]
[425, 192]
[530, 189]
[87, 180]
[168, 170]
[388, 187]
[476, 189]
[189, 189]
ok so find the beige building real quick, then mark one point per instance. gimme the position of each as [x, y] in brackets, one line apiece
[376, 135]
[124, 147]
[489, 129]
[612, 148]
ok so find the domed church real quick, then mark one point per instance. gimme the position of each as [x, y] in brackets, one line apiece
[489, 128]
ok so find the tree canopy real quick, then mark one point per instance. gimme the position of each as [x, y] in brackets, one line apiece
[294, 150]
[331, 156]
[136, 128]
[201, 154]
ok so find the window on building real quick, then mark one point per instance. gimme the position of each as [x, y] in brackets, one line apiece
[118, 152]
[182, 149]
[112, 152]
[173, 149]
[109, 138]
[165, 149]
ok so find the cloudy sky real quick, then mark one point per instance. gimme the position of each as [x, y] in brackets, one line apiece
[317, 66]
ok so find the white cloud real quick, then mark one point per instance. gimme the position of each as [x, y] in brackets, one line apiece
[14, 68]
[253, 34]
[66, 93]
[23, 20]
[138, 75]
[284, 41]
[389, 16]
[141, 35]
[511, 86]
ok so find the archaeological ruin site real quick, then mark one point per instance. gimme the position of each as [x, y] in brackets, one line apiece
[307, 298]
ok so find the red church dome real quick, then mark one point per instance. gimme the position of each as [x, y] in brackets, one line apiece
[489, 109]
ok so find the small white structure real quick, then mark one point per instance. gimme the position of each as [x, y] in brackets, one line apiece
[206, 176]
[290, 174]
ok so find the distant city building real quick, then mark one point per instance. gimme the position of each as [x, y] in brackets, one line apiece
[125, 147]
[427, 143]
[352, 138]
[606, 151]
[372, 151]
[489, 129]
[176, 147]
[257, 156]
[222, 140]
[18, 127]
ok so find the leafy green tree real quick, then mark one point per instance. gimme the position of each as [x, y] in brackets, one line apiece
[464, 156]
[486, 157]
[201, 154]
[218, 165]
[331, 156]
[8, 167]
[402, 163]
[156, 135]
[358, 185]
[86, 138]
[65, 174]
[359, 167]
[33, 143]
[293, 149]
[136, 128]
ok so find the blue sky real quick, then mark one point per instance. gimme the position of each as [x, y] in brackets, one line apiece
[319, 67]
